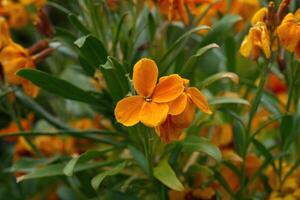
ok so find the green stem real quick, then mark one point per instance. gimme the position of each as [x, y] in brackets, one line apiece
[292, 87]
[255, 105]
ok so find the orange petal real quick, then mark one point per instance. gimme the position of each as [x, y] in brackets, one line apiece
[168, 89]
[185, 119]
[178, 105]
[199, 100]
[168, 132]
[153, 114]
[145, 73]
[127, 111]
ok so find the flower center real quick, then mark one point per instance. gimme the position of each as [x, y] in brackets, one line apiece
[148, 99]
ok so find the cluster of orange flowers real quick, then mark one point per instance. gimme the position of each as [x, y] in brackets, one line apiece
[180, 9]
[168, 106]
[20, 12]
[269, 27]
[59, 145]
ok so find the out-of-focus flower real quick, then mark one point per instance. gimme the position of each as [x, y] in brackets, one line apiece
[276, 85]
[150, 105]
[198, 193]
[5, 37]
[20, 13]
[287, 188]
[289, 32]
[178, 10]
[260, 16]
[258, 39]
[13, 58]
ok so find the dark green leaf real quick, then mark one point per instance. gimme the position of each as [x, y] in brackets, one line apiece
[189, 66]
[140, 159]
[115, 77]
[56, 86]
[220, 29]
[77, 24]
[97, 180]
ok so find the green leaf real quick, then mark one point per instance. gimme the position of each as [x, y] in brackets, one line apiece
[97, 180]
[140, 159]
[200, 144]
[227, 100]
[201, 169]
[86, 156]
[92, 51]
[288, 131]
[165, 174]
[57, 169]
[262, 149]
[230, 52]
[56, 86]
[178, 42]
[78, 25]
[117, 36]
[189, 66]
[115, 77]
[220, 29]
[151, 26]
[219, 76]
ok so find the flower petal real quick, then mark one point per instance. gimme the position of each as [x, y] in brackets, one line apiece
[168, 89]
[145, 73]
[185, 119]
[127, 111]
[178, 105]
[199, 100]
[153, 114]
[168, 132]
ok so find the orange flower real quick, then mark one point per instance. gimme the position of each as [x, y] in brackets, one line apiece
[150, 105]
[168, 131]
[181, 113]
[276, 85]
[5, 37]
[257, 39]
[289, 32]
[190, 95]
[13, 58]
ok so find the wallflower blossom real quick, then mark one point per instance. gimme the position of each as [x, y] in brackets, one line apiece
[289, 32]
[258, 39]
[182, 112]
[150, 105]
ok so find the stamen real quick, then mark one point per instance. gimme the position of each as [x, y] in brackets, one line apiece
[148, 99]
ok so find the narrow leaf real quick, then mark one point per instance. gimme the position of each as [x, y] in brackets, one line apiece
[164, 173]
[56, 86]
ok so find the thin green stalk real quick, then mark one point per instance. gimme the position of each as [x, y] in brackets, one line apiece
[294, 76]
[255, 104]
[79, 134]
